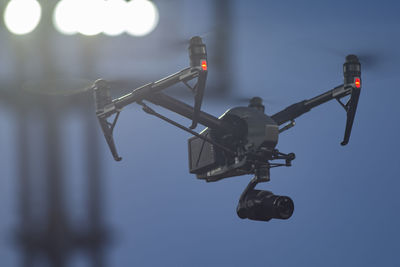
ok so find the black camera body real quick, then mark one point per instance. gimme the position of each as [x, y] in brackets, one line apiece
[255, 136]
[262, 205]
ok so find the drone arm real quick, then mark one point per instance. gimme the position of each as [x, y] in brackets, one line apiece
[105, 107]
[290, 113]
[187, 111]
[296, 110]
[150, 88]
[152, 93]
[198, 68]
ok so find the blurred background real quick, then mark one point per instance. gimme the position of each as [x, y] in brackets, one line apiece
[65, 202]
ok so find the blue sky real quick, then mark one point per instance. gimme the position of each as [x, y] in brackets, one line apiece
[346, 198]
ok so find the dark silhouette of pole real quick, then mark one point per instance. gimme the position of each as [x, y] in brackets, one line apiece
[48, 238]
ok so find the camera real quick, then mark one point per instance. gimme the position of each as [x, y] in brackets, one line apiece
[261, 205]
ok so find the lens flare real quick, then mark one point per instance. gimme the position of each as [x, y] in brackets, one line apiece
[63, 17]
[90, 17]
[141, 17]
[22, 16]
[115, 18]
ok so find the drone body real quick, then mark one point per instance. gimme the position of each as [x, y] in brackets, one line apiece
[241, 141]
[254, 139]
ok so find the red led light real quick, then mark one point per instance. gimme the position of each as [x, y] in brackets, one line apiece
[357, 82]
[204, 64]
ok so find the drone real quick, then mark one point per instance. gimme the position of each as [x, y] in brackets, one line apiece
[241, 141]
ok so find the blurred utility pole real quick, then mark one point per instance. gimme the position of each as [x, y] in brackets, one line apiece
[45, 233]
[222, 49]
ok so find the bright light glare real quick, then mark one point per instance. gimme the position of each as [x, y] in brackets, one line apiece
[64, 19]
[142, 17]
[22, 16]
[114, 11]
[83, 16]
[112, 17]
[90, 17]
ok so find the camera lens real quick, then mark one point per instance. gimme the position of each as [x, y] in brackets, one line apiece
[284, 207]
[263, 205]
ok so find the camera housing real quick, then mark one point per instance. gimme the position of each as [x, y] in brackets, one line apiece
[261, 205]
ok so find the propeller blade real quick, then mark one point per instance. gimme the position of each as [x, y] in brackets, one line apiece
[58, 87]
[183, 44]
[370, 58]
